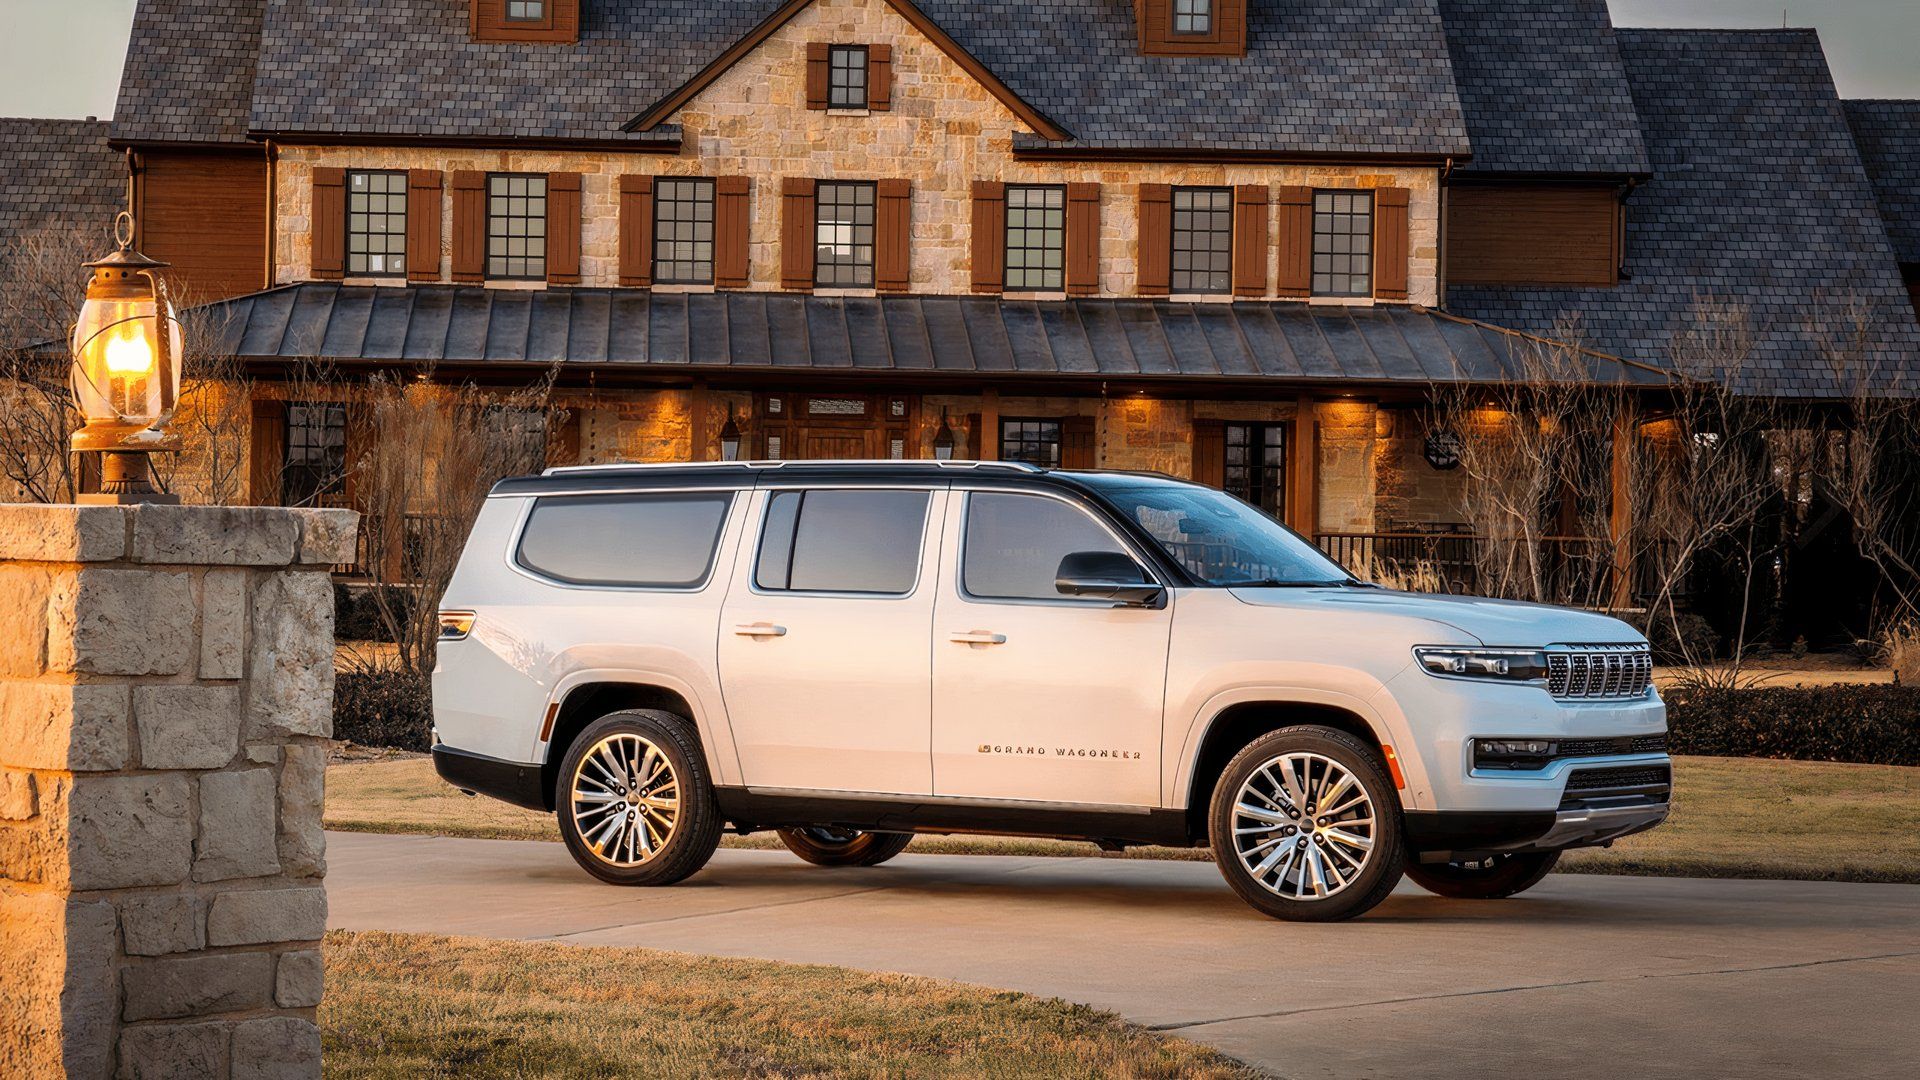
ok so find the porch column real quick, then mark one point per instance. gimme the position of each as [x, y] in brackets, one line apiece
[1620, 509]
[1303, 470]
[989, 435]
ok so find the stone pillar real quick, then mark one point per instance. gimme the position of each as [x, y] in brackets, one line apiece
[166, 688]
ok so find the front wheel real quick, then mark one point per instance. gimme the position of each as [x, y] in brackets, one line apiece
[828, 845]
[1495, 877]
[633, 800]
[1305, 825]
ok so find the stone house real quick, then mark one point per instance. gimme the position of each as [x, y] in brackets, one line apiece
[1237, 240]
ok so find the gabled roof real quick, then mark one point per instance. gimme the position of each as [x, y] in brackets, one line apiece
[189, 71]
[904, 335]
[1758, 201]
[1543, 87]
[1888, 135]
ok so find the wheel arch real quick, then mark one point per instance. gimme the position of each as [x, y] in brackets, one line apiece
[584, 702]
[1241, 722]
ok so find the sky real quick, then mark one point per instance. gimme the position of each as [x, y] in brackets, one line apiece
[63, 58]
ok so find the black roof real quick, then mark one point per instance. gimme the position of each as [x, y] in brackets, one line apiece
[903, 335]
[1759, 204]
[1543, 87]
[60, 188]
[1888, 134]
[189, 71]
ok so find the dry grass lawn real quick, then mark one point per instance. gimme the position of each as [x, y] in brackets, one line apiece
[414, 1005]
[1733, 817]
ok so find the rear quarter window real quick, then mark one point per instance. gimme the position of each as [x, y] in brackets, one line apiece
[663, 541]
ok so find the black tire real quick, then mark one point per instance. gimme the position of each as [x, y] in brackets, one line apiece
[827, 845]
[1368, 877]
[694, 833]
[1493, 878]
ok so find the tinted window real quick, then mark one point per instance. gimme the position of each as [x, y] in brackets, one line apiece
[665, 541]
[1219, 539]
[1014, 545]
[842, 541]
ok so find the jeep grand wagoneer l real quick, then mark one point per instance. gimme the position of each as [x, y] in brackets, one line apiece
[851, 653]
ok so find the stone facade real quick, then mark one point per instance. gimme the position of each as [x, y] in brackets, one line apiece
[943, 132]
[164, 705]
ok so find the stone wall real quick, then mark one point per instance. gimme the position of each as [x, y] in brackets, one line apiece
[943, 132]
[166, 685]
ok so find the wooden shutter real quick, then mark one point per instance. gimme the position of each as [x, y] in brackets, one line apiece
[1296, 242]
[636, 231]
[1076, 442]
[817, 58]
[732, 225]
[989, 236]
[893, 235]
[879, 77]
[1083, 239]
[563, 228]
[1155, 240]
[796, 233]
[1210, 453]
[423, 224]
[266, 451]
[469, 226]
[329, 259]
[1250, 240]
[1390, 243]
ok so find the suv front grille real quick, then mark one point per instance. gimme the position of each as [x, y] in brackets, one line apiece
[1599, 672]
[1622, 786]
[1625, 744]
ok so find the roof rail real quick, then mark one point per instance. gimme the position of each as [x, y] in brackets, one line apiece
[562, 470]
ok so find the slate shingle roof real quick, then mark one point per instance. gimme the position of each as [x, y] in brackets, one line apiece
[58, 174]
[1320, 76]
[1759, 201]
[189, 71]
[1543, 87]
[1888, 135]
[906, 334]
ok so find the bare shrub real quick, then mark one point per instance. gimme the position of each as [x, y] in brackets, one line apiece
[1419, 575]
[1900, 644]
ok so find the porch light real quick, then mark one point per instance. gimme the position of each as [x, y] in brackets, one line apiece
[730, 439]
[127, 347]
[943, 439]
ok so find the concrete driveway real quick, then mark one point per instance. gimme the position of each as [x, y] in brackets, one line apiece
[1583, 976]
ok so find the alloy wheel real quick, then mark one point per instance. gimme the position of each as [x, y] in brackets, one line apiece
[625, 799]
[1303, 826]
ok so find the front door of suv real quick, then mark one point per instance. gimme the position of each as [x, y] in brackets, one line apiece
[1038, 696]
[825, 639]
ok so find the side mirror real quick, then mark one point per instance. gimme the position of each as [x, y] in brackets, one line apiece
[1106, 575]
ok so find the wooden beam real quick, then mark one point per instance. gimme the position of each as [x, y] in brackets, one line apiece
[1303, 470]
[1620, 508]
[989, 434]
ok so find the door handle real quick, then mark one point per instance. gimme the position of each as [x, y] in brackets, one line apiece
[977, 637]
[760, 629]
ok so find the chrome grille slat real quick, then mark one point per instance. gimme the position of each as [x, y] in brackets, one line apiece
[1599, 672]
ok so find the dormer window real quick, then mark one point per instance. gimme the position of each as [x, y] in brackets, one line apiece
[526, 10]
[847, 77]
[1193, 16]
[532, 21]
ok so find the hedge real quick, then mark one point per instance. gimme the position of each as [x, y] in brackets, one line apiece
[1874, 724]
[383, 707]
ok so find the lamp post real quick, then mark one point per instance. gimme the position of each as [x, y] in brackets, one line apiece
[127, 346]
[730, 439]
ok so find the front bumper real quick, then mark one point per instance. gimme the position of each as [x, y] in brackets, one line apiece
[1587, 827]
[1447, 835]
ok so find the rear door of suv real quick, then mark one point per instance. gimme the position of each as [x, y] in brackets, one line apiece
[825, 636]
[1038, 696]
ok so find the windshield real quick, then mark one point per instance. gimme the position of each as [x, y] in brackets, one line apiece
[1221, 540]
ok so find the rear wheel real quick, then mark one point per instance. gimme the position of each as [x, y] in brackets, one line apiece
[829, 845]
[1494, 877]
[1305, 825]
[633, 800]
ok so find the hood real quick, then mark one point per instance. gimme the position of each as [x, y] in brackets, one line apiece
[1493, 622]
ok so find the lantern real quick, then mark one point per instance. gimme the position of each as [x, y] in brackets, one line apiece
[943, 440]
[730, 439]
[127, 346]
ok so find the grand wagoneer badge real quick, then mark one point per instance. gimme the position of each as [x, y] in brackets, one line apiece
[1061, 751]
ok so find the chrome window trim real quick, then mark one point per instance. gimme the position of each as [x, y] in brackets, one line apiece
[515, 537]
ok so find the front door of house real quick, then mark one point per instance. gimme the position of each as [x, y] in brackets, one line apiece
[835, 427]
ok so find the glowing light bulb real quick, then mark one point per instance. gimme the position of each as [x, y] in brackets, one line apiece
[129, 354]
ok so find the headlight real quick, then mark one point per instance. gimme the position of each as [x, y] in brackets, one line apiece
[1514, 753]
[1500, 665]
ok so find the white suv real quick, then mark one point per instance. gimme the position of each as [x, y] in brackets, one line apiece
[853, 652]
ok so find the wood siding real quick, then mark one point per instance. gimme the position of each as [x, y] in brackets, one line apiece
[1155, 239]
[1210, 453]
[1083, 239]
[1532, 234]
[732, 230]
[423, 224]
[1390, 236]
[206, 213]
[469, 226]
[1296, 242]
[1078, 449]
[487, 21]
[1227, 37]
[563, 228]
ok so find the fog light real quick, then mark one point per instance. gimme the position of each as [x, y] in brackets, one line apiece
[1513, 753]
